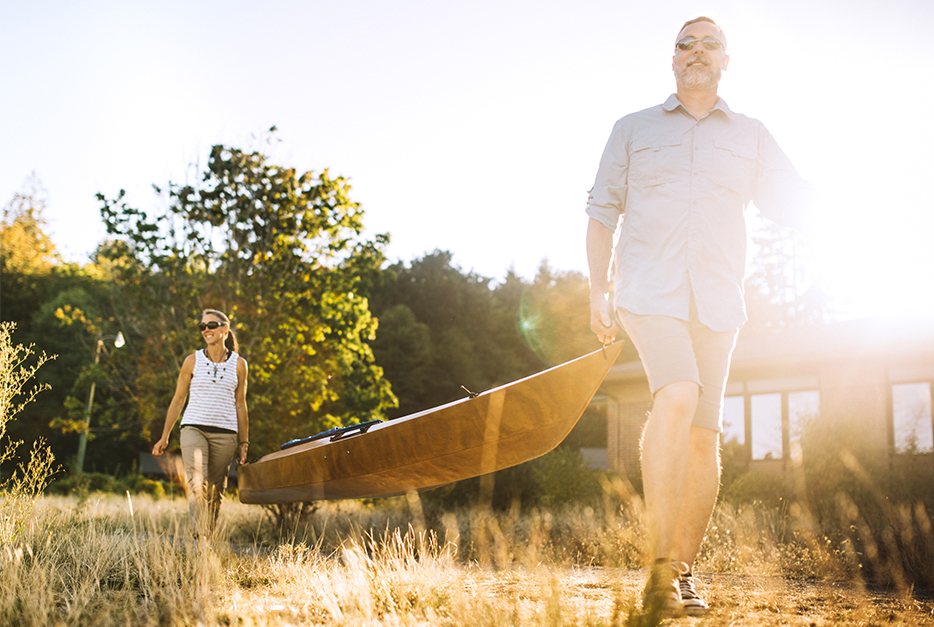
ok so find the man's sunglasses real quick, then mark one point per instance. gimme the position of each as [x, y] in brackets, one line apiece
[213, 324]
[710, 43]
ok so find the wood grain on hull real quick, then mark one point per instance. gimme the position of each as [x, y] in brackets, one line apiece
[497, 429]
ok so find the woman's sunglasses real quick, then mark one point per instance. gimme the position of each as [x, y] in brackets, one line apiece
[213, 324]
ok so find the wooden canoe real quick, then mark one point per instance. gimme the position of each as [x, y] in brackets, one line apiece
[496, 429]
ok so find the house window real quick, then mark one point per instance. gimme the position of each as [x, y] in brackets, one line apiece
[590, 433]
[777, 414]
[803, 406]
[911, 417]
[734, 420]
[766, 426]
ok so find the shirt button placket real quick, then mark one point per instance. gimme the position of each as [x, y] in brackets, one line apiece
[692, 246]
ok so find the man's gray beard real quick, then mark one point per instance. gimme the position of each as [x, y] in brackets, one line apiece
[699, 77]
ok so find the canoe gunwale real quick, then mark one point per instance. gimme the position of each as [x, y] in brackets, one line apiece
[536, 417]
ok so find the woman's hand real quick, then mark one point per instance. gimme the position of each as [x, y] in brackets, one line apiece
[159, 447]
[241, 452]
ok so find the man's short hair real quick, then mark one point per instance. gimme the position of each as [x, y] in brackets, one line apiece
[704, 18]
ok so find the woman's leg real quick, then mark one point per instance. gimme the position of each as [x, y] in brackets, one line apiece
[195, 456]
[222, 448]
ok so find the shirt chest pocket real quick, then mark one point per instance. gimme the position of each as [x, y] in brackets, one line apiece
[653, 160]
[734, 166]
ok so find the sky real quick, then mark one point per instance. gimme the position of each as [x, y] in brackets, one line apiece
[473, 127]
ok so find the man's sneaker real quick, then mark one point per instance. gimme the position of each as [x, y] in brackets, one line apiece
[662, 594]
[693, 604]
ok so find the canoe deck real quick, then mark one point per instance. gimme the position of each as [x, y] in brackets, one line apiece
[496, 429]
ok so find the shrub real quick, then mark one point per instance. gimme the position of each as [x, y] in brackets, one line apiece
[563, 476]
[769, 488]
[86, 483]
[139, 484]
[20, 490]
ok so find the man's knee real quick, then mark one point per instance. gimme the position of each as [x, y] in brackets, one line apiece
[679, 398]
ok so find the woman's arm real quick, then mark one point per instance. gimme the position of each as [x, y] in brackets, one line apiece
[243, 419]
[178, 402]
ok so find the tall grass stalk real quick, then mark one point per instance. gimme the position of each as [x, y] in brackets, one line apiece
[106, 560]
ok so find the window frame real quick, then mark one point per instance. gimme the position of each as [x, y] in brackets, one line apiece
[900, 377]
[785, 386]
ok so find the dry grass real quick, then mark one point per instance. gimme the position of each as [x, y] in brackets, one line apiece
[90, 562]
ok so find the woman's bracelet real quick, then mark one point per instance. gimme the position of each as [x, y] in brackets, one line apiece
[244, 442]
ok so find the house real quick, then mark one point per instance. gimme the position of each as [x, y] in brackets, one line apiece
[873, 375]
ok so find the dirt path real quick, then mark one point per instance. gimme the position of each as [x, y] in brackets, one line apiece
[592, 596]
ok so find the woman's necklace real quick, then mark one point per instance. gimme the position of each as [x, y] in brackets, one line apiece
[215, 364]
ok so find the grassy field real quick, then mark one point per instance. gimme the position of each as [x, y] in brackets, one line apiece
[108, 560]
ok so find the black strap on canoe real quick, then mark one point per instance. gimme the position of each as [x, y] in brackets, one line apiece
[336, 433]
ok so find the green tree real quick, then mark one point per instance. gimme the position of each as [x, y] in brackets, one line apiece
[28, 257]
[114, 422]
[34, 284]
[403, 350]
[442, 328]
[554, 316]
[284, 255]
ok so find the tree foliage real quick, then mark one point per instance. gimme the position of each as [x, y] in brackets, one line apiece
[781, 292]
[284, 255]
[439, 332]
[34, 284]
[442, 328]
[27, 255]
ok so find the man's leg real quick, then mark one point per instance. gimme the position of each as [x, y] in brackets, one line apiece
[700, 494]
[666, 447]
[666, 347]
[666, 454]
[713, 351]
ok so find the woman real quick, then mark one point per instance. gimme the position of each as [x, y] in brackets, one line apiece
[215, 426]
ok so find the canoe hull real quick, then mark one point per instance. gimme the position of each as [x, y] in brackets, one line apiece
[497, 429]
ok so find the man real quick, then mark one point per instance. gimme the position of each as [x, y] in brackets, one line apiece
[674, 180]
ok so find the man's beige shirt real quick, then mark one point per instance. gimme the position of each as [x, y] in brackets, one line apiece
[677, 189]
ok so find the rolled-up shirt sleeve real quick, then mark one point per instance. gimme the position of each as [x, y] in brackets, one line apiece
[780, 194]
[607, 199]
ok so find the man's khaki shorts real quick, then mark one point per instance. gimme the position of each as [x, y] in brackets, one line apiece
[675, 350]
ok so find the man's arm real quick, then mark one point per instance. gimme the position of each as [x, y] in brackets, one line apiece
[605, 204]
[780, 194]
[599, 253]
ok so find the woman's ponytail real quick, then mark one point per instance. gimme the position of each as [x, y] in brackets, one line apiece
[231, 342]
